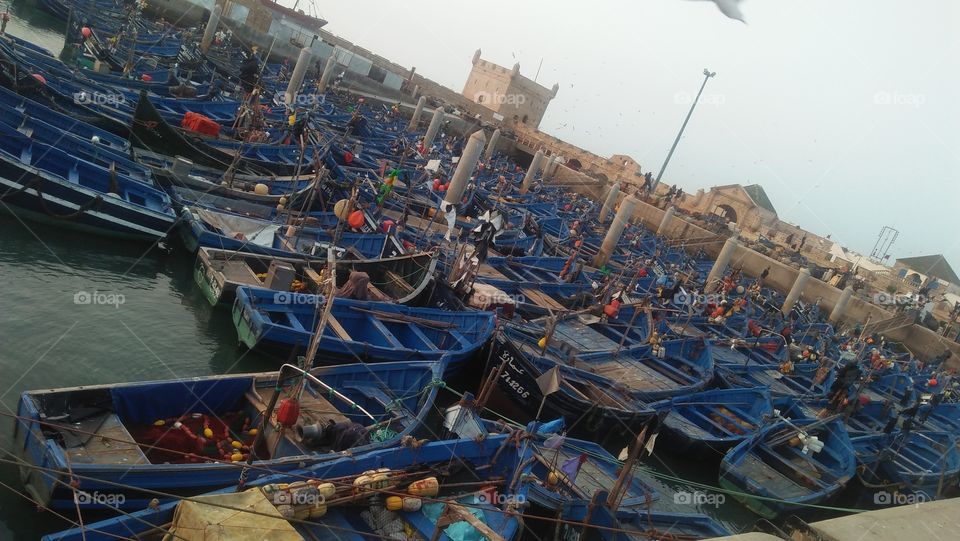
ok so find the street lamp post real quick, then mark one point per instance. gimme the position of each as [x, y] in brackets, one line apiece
[707, 75]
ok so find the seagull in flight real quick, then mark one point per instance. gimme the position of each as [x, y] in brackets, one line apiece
[730, 8]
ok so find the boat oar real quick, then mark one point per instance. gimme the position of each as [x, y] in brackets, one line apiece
[403, 318]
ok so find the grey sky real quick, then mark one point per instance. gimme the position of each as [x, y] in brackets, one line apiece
[846, 112]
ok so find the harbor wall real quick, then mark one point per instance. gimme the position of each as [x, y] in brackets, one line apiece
[921, 341]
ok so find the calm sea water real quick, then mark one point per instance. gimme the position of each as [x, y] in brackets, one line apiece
[154, 324]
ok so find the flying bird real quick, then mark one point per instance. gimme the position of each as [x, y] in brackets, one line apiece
[730, 8]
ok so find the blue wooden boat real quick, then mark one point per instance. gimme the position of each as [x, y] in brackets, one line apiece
[803, 381]
[358, 330]
[781, 465]
[589, 404]
[489, 461]
[707, 424]
[48, 184]
[762, 351]
[402, 279]
[225, 231]
[920, 462]
[633, 523]
[14, 104]
[108, 433]
[676, 367]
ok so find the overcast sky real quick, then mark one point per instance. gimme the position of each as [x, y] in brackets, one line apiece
[846, 112]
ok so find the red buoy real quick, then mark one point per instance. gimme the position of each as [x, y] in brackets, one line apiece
[288, 412]
[355, 220]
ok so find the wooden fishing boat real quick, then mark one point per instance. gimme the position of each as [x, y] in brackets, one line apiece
[226, 231]
[802, 381]
[672, 368]
[44, 183]
[913, 462]
[707, 424]
[118, 438]
[781, 464]
[402, 279]
[462, 490]
[634, 523]
[358, 330]
[157, 135]
[590, 404]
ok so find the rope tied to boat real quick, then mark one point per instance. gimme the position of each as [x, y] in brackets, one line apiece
[93, 203]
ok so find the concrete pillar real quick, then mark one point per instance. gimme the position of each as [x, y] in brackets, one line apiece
[723, 259]
[327, 73]
[433, 128]
[492, 145]
[838, 309]
[416, 91]
[796, 290]
[554, 165]
[532, 171]
[415, 119]
[665, 221]
[623, 216]
[211, 29]
[610, 202]
[296, 78]
[466, 165]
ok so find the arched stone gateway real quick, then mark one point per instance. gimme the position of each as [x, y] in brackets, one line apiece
[726, 212]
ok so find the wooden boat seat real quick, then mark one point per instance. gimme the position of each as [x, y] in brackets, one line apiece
[767, 476]
[541, 299]
[109, 445]
[341, 333]
[238, 271]
[313, 277]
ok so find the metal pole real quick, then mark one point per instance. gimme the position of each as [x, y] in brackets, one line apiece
[707, 75]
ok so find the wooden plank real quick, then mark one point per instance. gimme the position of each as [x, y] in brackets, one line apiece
[338, 328]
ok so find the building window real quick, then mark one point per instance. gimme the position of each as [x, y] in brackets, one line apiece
[479, 98]
[524, 120]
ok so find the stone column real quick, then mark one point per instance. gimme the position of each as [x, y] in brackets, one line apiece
[623, 216]
[796, 290]
[296, 78]
[532, 171]
[415, 119]
[492, 145]
[433, 128]
[466, 165]
[841, 307]
[610, 202]
[665, 222]
[327, 73]
[211, 28]
[723, 259]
